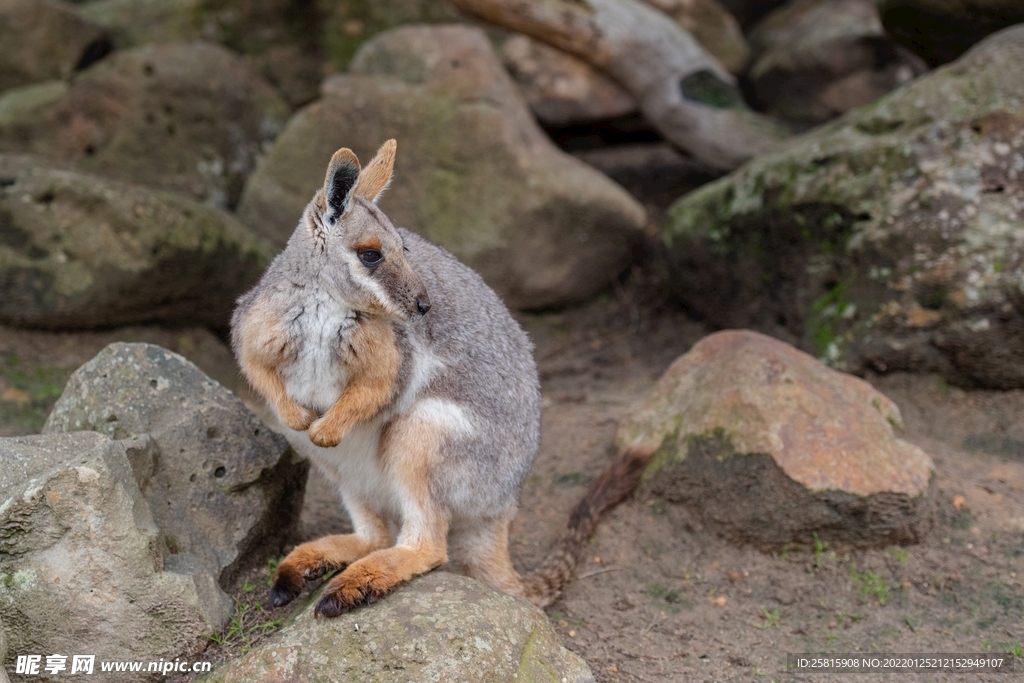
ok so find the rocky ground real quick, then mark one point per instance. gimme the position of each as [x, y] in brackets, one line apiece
[155, 156]
[658, 596]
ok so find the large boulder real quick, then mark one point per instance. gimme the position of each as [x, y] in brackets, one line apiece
[562, 89]
[78, 251]
[187, 117]
[713, 27]
[769, 446]
[474, 171]
[439, 627]
[289, 42]
[891, 239]
[224, 490]
[82, 568]
[942, 30]
[816, 59]
[44, 39]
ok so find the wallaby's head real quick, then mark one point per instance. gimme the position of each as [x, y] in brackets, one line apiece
[360, 254]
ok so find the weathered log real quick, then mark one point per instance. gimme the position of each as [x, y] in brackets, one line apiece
[684, 93]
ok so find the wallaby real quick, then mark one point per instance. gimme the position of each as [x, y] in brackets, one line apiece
[397, 371]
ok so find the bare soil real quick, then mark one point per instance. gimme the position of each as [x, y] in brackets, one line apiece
[659, 598]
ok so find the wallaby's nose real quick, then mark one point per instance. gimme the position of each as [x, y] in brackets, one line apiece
[422, 306]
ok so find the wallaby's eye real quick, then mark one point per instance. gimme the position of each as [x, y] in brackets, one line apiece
[371, 257]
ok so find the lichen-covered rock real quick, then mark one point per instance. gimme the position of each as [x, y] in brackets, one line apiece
[82, 569]
[438, 627]
[942, 30]
[816, 59]
[890, 239]
[562, 89]
[187, 117]
[43, 39]
[287, 41]
[768, 445]
[474, 172]
[78, 251]
[224, 490]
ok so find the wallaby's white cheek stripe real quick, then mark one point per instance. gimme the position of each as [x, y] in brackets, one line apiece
[357, 271]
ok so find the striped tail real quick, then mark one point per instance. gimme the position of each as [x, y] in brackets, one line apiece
[543, 586]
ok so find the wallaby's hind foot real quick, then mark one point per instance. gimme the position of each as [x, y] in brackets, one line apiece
[312, 560]
[376, 575]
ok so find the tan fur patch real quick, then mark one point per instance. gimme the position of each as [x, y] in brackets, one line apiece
[372, 373]
[413, 448]
[377, 175]
[264, 347]
[483, 554]
[368, 243]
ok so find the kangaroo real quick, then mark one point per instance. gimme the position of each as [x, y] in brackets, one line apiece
[405, 379]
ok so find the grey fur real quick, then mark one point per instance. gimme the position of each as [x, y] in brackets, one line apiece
[486, 363]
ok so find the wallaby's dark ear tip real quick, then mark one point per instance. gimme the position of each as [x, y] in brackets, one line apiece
[342, 174]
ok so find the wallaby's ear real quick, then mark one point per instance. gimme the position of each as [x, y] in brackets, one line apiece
[342, 174]
[377, 176]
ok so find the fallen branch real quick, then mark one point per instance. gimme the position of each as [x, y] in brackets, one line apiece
[681, 90]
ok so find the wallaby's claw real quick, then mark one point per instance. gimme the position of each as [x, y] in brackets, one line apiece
[287, 586]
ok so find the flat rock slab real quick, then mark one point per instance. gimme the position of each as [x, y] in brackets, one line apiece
[769, 445]
[439, 627]
[80, 251]
[80, 564]
[225, 491]
[474, 171]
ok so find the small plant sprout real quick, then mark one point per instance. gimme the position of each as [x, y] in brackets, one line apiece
[819, 549]
[771, 618]
[871, 585]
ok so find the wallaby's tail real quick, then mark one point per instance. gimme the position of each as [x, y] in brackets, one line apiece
[543, 586]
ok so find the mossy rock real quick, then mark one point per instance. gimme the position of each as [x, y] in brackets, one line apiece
[77, 251]
[474, 172]
[890, 239]
[185, 117]
[439, 627]
[769, 446]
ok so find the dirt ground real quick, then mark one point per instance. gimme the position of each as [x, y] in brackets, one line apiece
[658, 598]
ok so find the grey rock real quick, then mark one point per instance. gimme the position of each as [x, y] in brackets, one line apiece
[560, 88]
[79, 251]
[224, 490]
[81, 569]
[713, 26]
[474, 172]
[187, 117]
[769, 446]
[890, 239]
[439, 627]
[816, 59]
[42, 39]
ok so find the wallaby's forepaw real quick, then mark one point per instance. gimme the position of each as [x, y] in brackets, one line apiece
[295, 416]
[354, 587]
[325, 434]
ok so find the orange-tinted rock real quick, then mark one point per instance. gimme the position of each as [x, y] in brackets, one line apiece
[770, 445]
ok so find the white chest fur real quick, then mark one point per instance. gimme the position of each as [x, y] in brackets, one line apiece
[317, 376]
